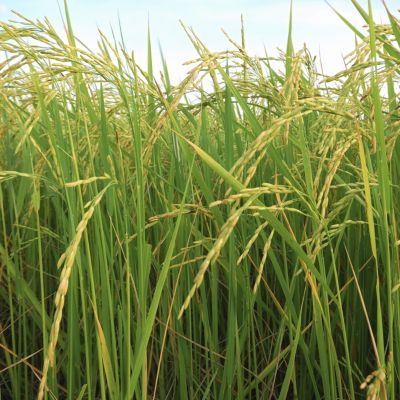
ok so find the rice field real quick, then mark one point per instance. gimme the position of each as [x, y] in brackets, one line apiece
[232, 236]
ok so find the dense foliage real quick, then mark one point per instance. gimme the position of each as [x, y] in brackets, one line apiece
[232, 236]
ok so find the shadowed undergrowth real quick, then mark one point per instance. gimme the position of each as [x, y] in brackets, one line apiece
[232, 236]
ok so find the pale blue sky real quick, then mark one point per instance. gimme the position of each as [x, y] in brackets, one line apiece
[266, 24]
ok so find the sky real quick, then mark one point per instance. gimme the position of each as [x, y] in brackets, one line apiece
[266, 25]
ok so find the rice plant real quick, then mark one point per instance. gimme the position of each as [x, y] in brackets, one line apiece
[233, 236]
